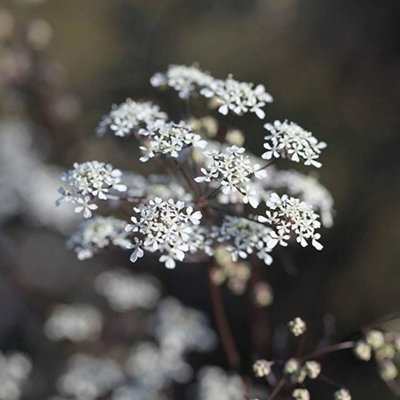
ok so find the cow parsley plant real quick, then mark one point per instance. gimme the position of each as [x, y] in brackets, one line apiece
[210, 192]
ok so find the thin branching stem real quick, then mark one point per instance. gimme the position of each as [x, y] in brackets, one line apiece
[187, 178]
[327, 350]
[278, 388]
[222, 323]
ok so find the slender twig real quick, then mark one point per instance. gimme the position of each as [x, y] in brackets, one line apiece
[327, 380]
[383, 320]
[213, 193]
[278, 388]
[222, 323]
[301, 345]
[330, 349]
[121, 197]
[394, 387]
[186, 177]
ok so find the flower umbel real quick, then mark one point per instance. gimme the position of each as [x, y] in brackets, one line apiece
[289, 140]
[233, 170]
[87, 181]
[290, 215]
[168, 227]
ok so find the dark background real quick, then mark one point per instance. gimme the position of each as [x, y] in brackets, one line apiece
[332, 66]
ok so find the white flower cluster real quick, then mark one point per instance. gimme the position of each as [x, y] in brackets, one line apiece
[183, 79]
[14, 371]
[88, 377]
[233, 170]
[229, 94]
[97, 233]
[129, 117]
[287, 215]
[215, 383]
[168, 227]
[87, 181]
[125, 291]
[165, 219]
[238, 97]
[308, 188]
[77, 323]
[169, 138]
[243, 237]
[289, 140]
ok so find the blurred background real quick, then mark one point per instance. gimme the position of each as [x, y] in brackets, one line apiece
[331, 66]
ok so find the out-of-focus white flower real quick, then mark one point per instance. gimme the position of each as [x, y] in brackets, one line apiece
[129, 117]
[243, 237]
[97, 233]
[297, 326]
[235, 137]
[182, 329]
[87, 181]
[137, 391]
[233, 170]
[168, 227]
[235, 274]
[88, 377]
[205, 126]
[289, 140]
[169, 138]
[27, 185]
[215, 383]
[39, 33]
[14, 371]
[263, 294]
[125, 291]
[74, 322]
[155, 185]
[156, 366]
[288, 214]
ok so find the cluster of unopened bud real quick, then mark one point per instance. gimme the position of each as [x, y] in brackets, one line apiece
[263, 294]
[342, 394]
[297, 326]
[298, 373]
[262, 368]
[304, 394]
[301, 394]
[384, 346]
[235, 274]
